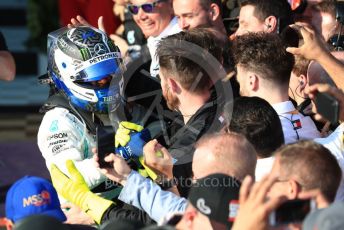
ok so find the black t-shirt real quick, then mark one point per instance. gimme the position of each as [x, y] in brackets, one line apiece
[3, 45]
[205, 121]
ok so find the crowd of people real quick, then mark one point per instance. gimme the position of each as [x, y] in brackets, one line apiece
[208, 129]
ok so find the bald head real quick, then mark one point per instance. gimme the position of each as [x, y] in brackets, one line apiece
[227, 153]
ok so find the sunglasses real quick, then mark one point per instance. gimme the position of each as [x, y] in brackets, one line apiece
[146, 7]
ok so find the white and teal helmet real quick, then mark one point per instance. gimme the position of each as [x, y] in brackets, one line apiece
[78, 60]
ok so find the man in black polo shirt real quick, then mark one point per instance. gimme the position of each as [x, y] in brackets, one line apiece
[190, 72]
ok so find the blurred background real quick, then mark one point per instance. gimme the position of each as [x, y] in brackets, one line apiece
[20, 99]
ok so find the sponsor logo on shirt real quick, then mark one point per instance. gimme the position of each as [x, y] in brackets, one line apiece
[58, 136]
[53, 126]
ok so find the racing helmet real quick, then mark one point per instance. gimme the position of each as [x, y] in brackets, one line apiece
[86, 66]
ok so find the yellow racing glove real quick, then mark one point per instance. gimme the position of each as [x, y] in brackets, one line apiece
[75, 189]
[122, 136]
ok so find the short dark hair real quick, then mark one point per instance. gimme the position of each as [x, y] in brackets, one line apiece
[314, 166]
[281, 9]
[264, 54]
[175, 57]
[255, 118]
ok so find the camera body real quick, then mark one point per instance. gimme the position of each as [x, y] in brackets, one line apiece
[292, 211]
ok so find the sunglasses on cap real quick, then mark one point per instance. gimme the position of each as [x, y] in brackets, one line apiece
[146, 7]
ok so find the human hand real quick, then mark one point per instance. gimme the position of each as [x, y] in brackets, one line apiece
[75, 215]
[81, 21]
[134, 148]
[122, 136]
[333, 91]
[75, 190]
[157, 158]
[65, 185]
[254, 208]
[313, 48]
[6, 223]
[120, 171]
[120, 42]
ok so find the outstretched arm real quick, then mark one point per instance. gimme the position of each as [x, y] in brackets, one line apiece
[315, 49]
[141, 192]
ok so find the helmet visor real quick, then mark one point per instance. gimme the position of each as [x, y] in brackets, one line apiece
[95, 72]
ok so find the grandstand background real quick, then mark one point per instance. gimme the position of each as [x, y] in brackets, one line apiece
[20, 100]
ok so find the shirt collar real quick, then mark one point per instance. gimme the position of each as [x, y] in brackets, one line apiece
[284, 107]
[172, 28]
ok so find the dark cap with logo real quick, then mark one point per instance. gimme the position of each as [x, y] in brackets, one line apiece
[32, 195]
[216, 196]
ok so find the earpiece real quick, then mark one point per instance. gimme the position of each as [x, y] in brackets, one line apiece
[301, 82]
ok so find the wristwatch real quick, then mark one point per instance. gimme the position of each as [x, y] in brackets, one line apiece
[165, 183]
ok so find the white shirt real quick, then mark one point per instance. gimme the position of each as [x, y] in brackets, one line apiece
[152, 43]
[305, 128]
[335, 144]
[263, 167]
[62, 136]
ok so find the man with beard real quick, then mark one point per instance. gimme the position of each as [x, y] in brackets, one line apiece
[196, 13]
[192, 91]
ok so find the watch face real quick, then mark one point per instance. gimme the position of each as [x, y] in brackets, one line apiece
[165, 183]
[159, 179]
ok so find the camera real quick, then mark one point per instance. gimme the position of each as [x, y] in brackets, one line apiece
[291, 35]
[292, 211]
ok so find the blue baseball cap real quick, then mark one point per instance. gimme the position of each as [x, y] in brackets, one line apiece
[32, 195]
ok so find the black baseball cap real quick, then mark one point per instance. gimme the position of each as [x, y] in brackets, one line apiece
[216, 196]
